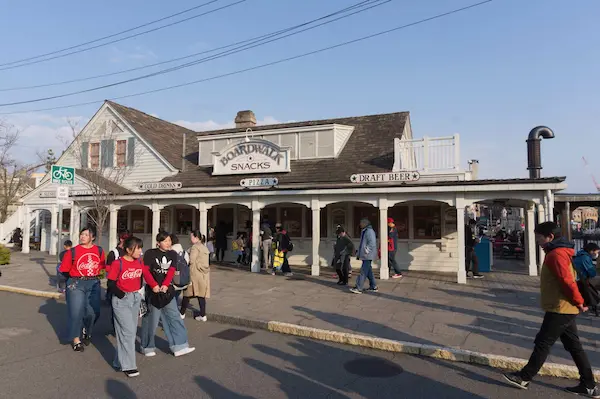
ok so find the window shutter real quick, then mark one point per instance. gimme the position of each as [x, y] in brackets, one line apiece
[85, 147]
[131, 151]
[107, 151]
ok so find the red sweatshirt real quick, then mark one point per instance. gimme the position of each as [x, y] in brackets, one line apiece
[88, 262]
[127, 274]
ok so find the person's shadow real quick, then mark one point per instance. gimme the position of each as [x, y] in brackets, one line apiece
[119, 390]
[57, 316]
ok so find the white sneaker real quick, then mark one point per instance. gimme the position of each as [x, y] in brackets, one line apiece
[184, 351]
[150, 354]
[200, 318]
[182, 316]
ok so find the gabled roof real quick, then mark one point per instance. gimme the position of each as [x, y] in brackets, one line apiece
[102, 182]
[165, 137]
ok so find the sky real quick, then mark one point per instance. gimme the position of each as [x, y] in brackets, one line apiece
[490, 74]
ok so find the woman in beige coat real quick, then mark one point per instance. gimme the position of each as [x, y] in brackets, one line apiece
[199, 276]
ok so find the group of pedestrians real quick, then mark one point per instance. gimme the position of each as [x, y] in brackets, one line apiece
[139, 285]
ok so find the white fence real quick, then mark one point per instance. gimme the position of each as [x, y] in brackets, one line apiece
[429, 154]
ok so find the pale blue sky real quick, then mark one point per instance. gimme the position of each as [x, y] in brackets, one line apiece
[490, 74]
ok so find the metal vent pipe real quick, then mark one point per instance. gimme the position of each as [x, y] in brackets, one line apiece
[534, 155]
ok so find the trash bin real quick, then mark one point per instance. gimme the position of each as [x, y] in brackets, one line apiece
[483, 250]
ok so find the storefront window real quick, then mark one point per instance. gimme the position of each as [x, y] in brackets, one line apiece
[225, 216]
[121, 220]
[368, 212]
[428, 222]
[400, 216]
[184, 221]
[291, 219]
[244, 219]
[138, 225]
[269, 213]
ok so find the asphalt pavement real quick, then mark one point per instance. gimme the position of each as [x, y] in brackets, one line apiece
[229, 362]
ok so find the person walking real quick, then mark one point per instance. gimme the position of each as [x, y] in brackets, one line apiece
[562, 302]
[81, 266]
[159, 270]
[60, 279]
[283, 245]
[124, 282]
[395, 271]
[182, 269]
[342, 251]
[586, 270]
[266, 235]
[199, 276]
[367, 252]
[470, 256]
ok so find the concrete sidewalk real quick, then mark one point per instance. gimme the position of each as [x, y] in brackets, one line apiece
[497, 315]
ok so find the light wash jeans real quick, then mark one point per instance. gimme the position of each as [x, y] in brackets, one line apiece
[83, 303]
[366, 272]
[125, 314]
[172, 324]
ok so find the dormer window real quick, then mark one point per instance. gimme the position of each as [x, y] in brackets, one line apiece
[94, 155]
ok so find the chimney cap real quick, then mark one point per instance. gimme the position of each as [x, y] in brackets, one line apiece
[245, 119]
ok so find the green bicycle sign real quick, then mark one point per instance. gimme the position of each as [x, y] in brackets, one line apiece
[63, 175]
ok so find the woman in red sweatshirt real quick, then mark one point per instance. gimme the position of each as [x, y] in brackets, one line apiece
[125, 282]
[81, 266]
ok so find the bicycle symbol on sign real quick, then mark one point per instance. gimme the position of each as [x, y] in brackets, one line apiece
[62, 174]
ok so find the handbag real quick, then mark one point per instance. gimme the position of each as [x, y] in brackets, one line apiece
[143, 308]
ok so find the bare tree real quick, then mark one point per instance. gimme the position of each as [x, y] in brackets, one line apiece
[102, 168]
[14, 175]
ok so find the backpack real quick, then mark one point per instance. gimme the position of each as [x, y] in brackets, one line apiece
[182, 274]
[286, 243]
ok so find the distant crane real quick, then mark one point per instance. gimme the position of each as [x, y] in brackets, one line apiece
[587, 166]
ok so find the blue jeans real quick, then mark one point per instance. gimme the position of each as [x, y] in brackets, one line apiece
[172, 324]
[125, 314]
[83, 303]
[366, 272]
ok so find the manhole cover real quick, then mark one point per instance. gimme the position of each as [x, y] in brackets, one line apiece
[232, 334]
[373, 367]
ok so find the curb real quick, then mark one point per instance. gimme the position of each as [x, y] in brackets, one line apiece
[433, 351]
[26, 291]
[504, 363]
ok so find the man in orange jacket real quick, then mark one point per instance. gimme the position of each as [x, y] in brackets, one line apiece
[562, 302]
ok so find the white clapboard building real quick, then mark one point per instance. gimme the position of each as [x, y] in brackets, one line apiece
[311, 176]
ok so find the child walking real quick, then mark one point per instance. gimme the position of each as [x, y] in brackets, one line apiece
[124, 283]
[237, 247]
[60, 279]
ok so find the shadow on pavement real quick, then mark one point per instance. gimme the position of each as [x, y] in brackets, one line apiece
[119, 390]
[215, 390]
[318, 371]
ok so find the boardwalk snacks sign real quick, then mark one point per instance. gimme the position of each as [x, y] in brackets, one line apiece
[252, 156]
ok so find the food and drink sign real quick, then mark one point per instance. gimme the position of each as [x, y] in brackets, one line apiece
[251, 157]
[259, 182]
[391, 177]
[160, 186]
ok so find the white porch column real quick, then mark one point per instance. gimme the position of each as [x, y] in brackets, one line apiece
[112, 232]
[203, 227]
[255, 267]
[38, 231]
[541, 253]
[129, 220]
[460, 231]
[53, 231]
[155, 219]
[74, 225]
[43, 236]
[316, 237]
[384, 272]
[26, 230]
[530, 254]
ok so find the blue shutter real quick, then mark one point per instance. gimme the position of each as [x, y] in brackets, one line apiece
[85, 147]
[107, 151]
[131, 151]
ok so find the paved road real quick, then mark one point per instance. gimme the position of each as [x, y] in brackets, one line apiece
[33, 364]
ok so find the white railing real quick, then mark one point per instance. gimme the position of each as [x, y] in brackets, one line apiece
[429, 154]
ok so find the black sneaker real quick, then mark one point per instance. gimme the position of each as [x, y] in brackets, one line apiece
[131, 373]
[78, 347]
[581, 390]
[87, 340]
[516, 380]
[375, 289]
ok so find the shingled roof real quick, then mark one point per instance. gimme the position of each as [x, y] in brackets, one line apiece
[165, 137]
[370, 149]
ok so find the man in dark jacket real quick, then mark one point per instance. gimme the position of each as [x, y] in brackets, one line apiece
[342, 251]
[395, 271]
[470, 256]
[283, 243]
